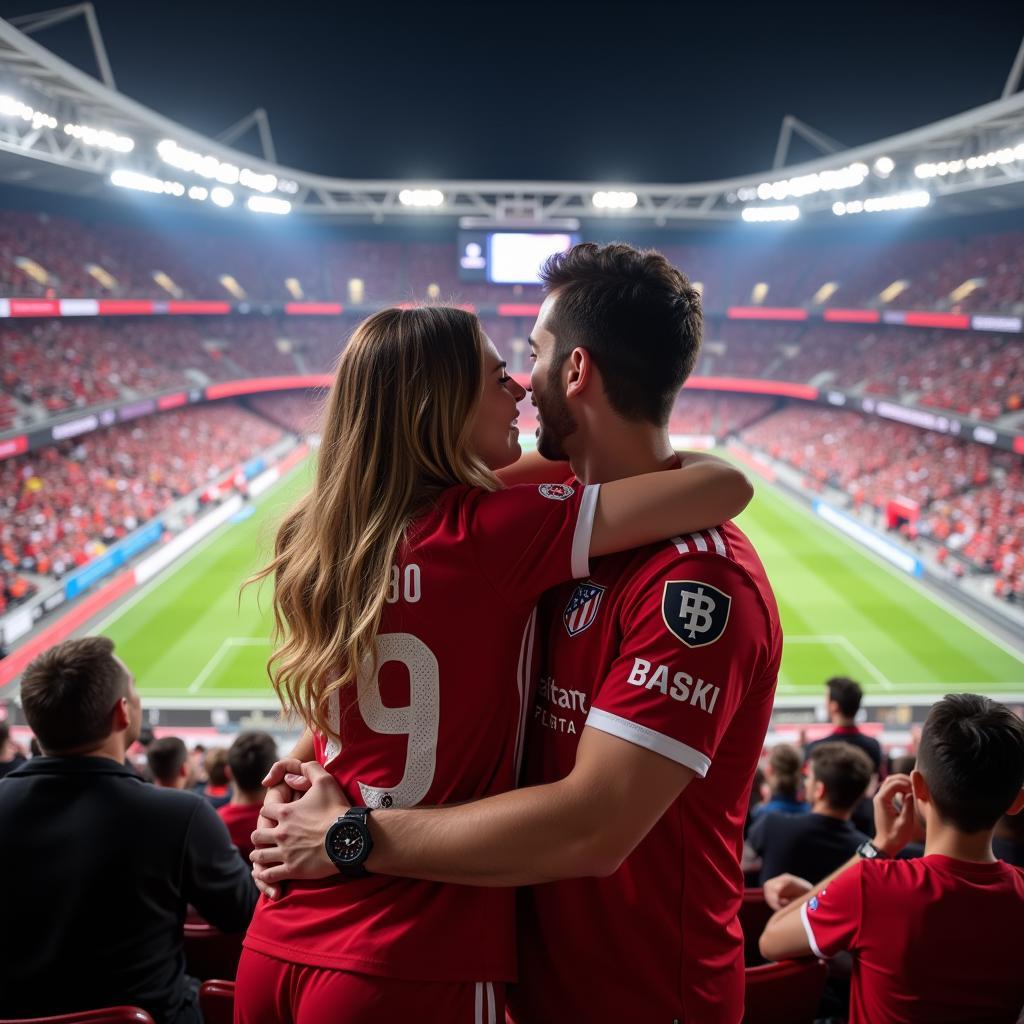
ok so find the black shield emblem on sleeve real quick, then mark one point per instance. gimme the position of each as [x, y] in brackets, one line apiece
[696, 612]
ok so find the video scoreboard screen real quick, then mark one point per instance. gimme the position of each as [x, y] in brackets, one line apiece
[508, 257]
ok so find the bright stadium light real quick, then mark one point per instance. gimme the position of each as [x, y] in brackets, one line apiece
[100, 137]
[979, 161]
[766, 214]
[884, 166]
[421, 197]
[268, 204]
[11, 107]
[287, 186]
[221, 196]
[614, 200]
[145, 183]
[212, 168]
[808, 184]
[199, 192]
[912, 200]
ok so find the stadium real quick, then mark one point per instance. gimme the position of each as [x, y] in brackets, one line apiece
[173, 305]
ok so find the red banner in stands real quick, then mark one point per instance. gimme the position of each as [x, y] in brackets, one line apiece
[766, 313]
[1018, 445]
[518, 309]
[752, 386]
[937, 320]
[255, 385]
[313, 308]
[853, 316]
[171, 401]
[126, 307]
[13, 446]
[35, 307]
[198, 308]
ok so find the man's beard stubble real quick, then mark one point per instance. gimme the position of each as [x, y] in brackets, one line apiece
[556, 421]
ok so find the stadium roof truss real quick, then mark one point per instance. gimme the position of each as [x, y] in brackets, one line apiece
[976, 160]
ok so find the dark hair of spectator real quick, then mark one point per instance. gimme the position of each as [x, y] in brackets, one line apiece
[845, 771]
[5, 732]
[846, 693]
[786, 770]
[216, 763]
[638, 317]
[972, 757]
[903, 765]
[69, 692]
[166, 757]
[250, 758]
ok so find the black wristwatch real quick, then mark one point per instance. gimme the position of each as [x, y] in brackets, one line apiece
[868, 851]
[348, 842]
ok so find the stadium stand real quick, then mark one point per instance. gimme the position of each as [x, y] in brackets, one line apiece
[122, 260]
[64, 504]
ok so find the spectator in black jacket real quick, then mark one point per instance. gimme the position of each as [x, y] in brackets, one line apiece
[101, 866]
[813, 845]
[844, 698]
[10, 756]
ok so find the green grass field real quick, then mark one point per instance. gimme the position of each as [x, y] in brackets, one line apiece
[186, 636]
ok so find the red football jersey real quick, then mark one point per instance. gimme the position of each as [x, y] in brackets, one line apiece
[241, 820]
[675, 648]
[933, 939]
[441, 722]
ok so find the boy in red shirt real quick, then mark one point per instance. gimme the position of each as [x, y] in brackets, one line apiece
[249, 759]
[935, 938]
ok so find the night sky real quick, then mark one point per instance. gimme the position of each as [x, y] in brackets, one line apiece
[641, 91]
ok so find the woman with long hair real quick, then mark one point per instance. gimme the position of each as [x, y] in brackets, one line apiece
[405, 585]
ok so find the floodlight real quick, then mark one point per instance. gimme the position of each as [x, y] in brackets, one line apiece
[268, 204]
[221, 196]
[764, 214]
[884, 166]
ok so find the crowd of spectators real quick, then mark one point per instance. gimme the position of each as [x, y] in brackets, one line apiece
[64, 504]
[50, 255]
[970, 496]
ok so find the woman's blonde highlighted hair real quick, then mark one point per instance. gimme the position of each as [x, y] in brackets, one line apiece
[395, 434]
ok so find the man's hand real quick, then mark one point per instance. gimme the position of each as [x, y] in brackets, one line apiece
[291, 846]
[895, 821]
[783, 889]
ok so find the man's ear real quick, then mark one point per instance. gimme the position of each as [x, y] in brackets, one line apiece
[818, 792]
[920, 787]
[1018, 805]
[121, 716]
[581, 372]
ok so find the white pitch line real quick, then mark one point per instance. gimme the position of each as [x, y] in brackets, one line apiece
[837, 640]
[964, 615]
[225, 645]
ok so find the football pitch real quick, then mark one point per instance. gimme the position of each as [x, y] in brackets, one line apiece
[189, 637]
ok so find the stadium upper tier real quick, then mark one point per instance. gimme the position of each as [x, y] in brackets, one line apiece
[50, 367]
[53, 256]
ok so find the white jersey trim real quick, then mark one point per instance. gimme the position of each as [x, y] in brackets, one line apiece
[633, 732]
[810, 932]
[584, 530]
[524, 679]
[484, 1013]
[697, 541]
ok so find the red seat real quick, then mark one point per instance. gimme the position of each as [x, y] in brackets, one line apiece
[217, 1001]
[754, 915]
[785, 993]
[107, 1015]
[211, 953]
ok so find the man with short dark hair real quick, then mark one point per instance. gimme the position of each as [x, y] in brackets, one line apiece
[101, 866]
[650, 715]
[250, 757]
[844, 700]
[167, 758]
[936, 938]
[813, 845]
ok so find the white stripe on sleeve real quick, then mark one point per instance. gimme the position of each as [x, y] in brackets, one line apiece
[478, 1010]
[633, 732]
[717, 538]
[492, 1013]
[584, 529]
[810, 932]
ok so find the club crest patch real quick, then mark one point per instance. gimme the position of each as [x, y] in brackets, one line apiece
[581, 610]
[694, 611]
[556, 492]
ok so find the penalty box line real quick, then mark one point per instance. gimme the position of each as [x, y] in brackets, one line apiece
[837, 640]
[225, 645]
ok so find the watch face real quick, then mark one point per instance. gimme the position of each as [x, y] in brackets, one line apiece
[347, 843]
